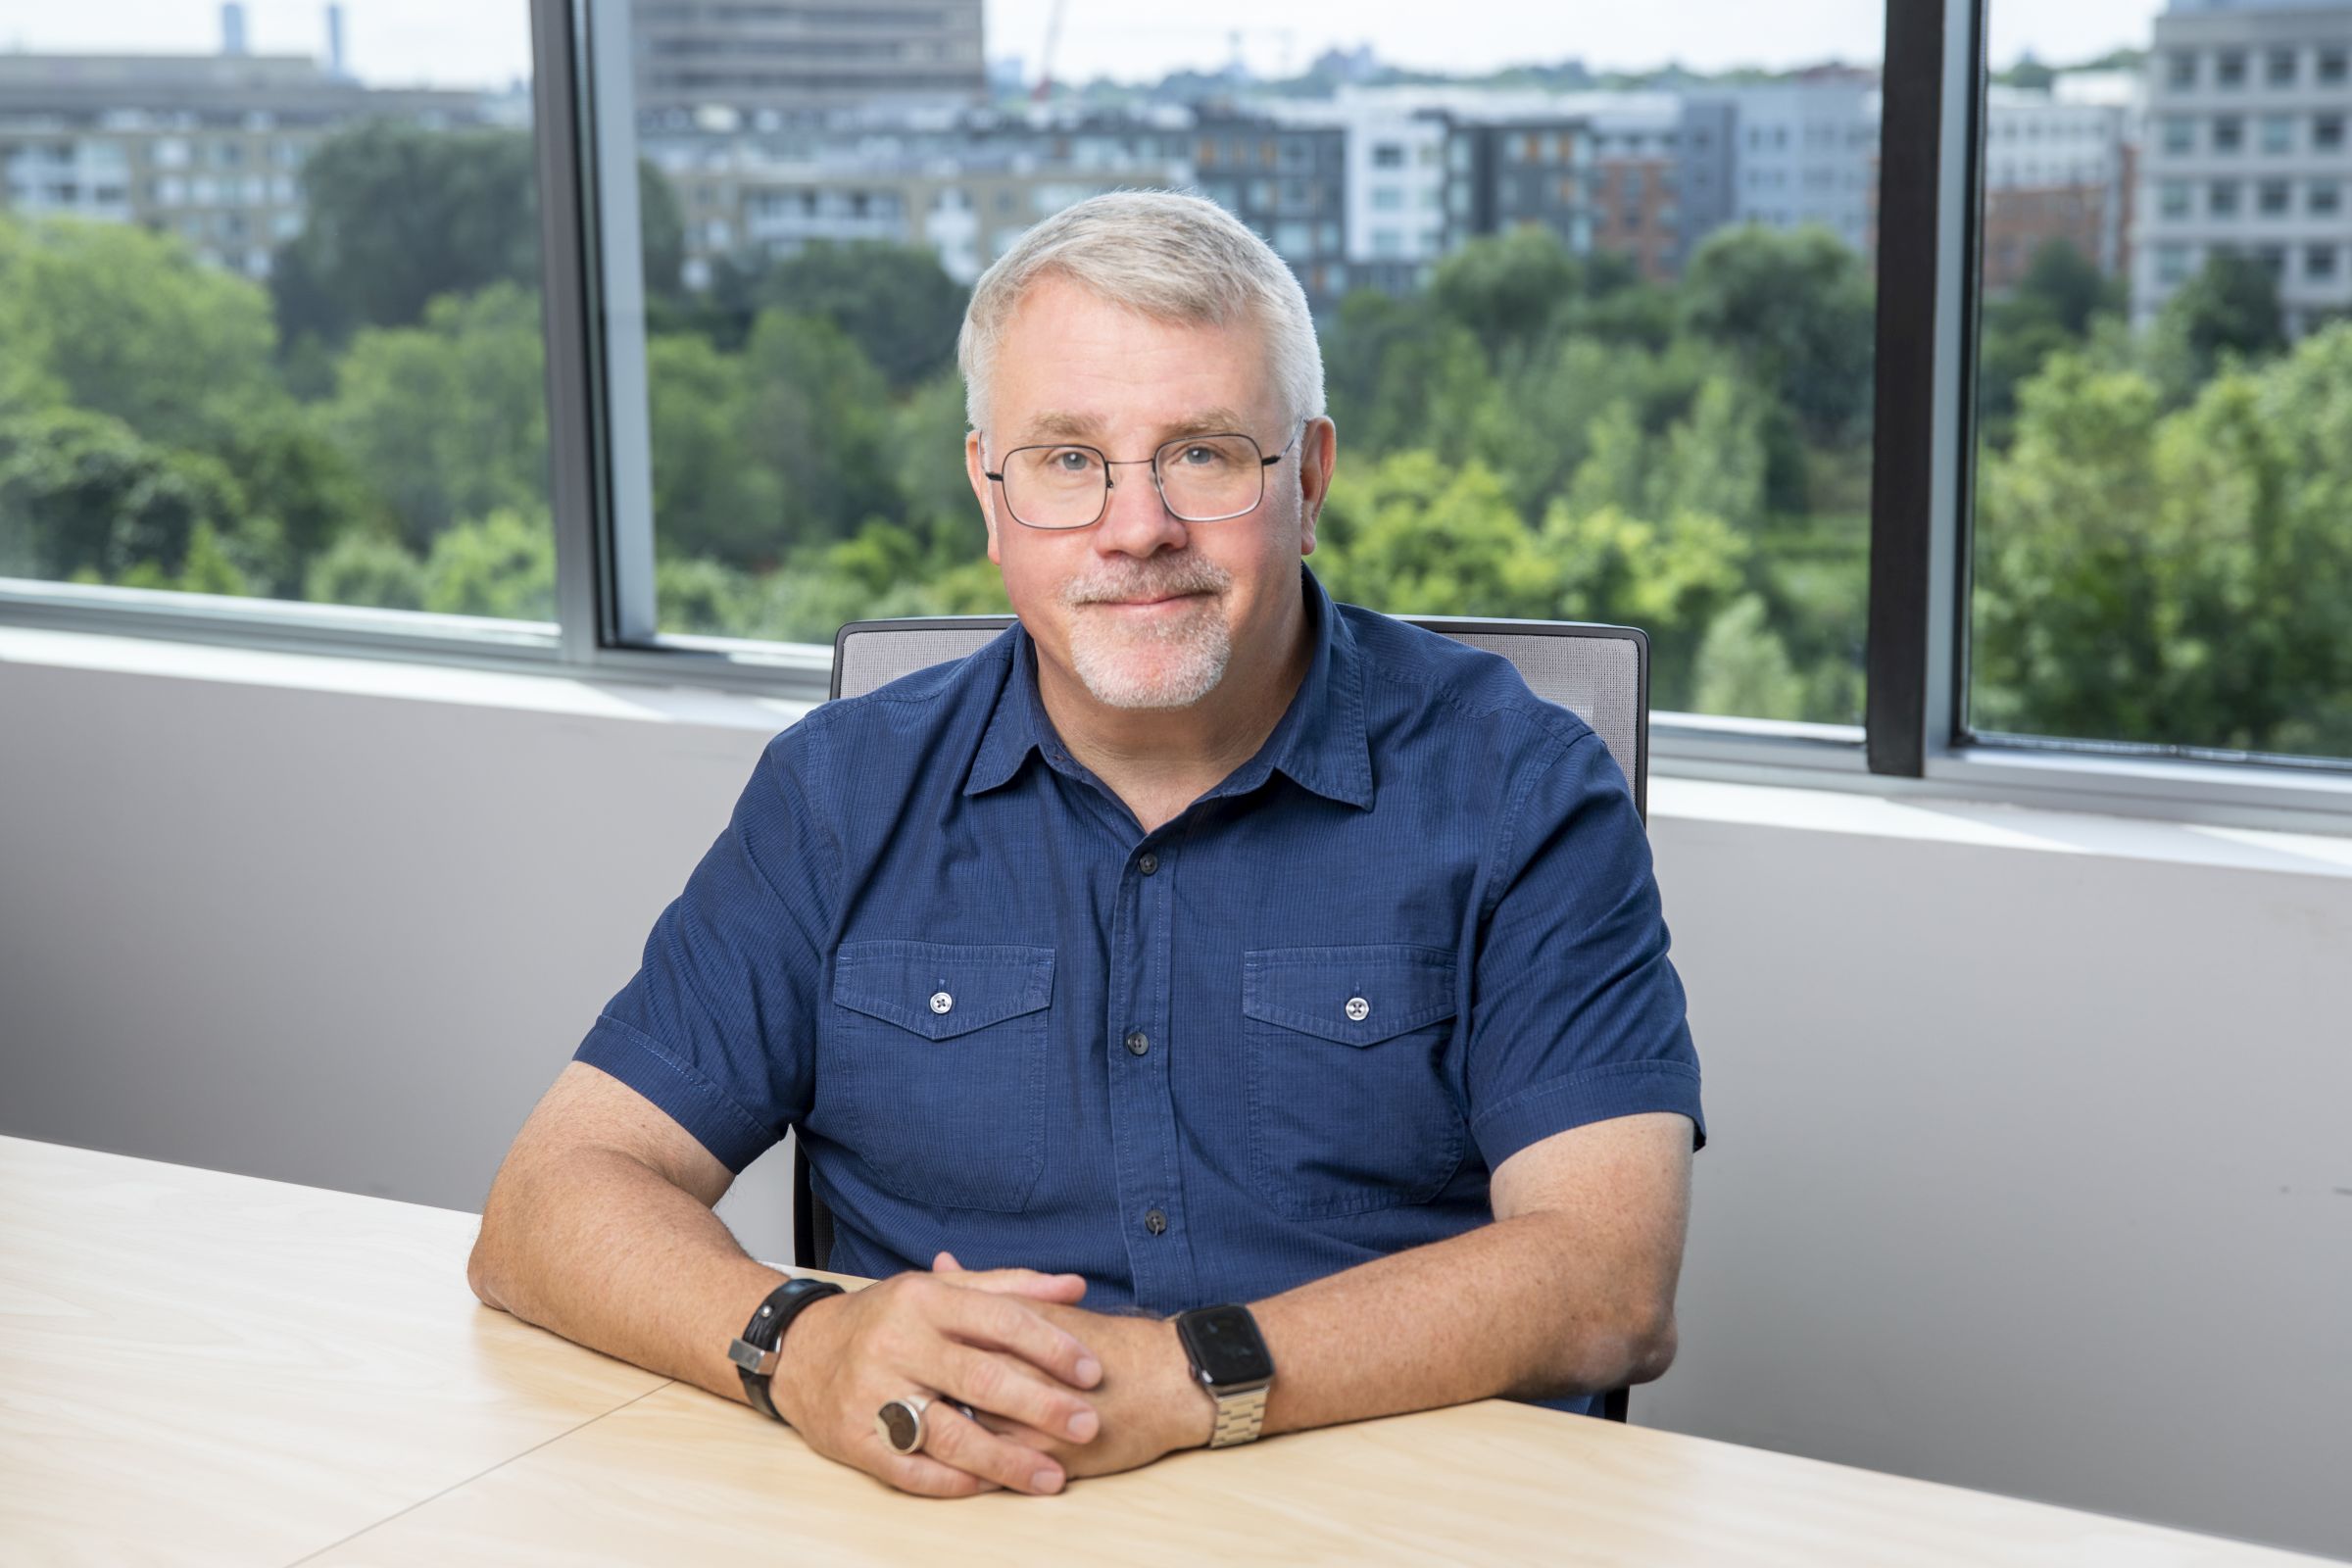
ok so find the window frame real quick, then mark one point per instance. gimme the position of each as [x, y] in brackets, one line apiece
[1915, 739]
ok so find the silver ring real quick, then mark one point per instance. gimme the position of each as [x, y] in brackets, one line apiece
[900, 1423]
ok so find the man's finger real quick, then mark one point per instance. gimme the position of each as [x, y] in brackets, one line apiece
[971, 1448]
[1067, 1289]
[927, 1476]
[1000, 1322]
[1007, 1386]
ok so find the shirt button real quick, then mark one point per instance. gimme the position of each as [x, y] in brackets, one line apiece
[941, 1002]
[1147, 862]
[1358, 1009]
[1156, 1222]
[1138, 1043]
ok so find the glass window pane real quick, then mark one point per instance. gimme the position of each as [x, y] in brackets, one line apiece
[273, 333]
[2163, 551]
[1593, 358]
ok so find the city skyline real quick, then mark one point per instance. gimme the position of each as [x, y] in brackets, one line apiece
[455, 44]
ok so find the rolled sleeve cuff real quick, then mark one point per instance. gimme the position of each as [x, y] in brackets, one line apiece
[1622, 1089]
[733, 1135]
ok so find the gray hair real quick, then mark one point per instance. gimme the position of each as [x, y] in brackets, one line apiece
[1170, 256]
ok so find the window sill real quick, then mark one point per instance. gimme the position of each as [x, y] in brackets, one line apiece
[1826, 797]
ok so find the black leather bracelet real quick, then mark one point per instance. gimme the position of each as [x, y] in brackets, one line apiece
[756, 1352]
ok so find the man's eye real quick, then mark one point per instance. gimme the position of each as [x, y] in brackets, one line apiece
[1070, 461]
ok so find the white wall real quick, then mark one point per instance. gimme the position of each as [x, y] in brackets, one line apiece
[2031, 1168]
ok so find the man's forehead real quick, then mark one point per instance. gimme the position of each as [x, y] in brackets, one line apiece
[1075, 424]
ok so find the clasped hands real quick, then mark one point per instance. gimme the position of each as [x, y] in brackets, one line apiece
[1057, 1392]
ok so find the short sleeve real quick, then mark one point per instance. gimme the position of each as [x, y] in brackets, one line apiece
[1576, 1014]
[718, 1026]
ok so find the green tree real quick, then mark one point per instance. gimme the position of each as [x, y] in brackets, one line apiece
[2173, 577]
[717, 494]
[1744, 668]
[502, 565]
[1418, 536]
[820, 421]
[447, 420]
[1398, 374]
[895, 301]
[82, 494]
[1506, 287]
[2054, 305]
[399, 214]
[363, 568]
[1796, 308]
[114, 319]
[2229, 307]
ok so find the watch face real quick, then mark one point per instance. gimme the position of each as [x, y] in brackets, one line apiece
[1226, 1346]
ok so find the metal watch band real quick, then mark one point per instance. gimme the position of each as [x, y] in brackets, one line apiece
[1239, 1416]
[757, 1349]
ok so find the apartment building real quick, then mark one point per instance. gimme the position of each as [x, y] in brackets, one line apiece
[2249, 151]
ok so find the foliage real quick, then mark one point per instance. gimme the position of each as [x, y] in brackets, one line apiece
[2174, 577]
[399, 215]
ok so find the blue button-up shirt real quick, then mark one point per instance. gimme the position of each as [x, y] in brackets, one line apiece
[1293, 1029]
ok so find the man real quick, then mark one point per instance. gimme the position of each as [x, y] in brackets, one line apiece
[1198, 939]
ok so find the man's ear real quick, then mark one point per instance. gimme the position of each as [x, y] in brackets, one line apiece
[984, 489]
[1318, 455]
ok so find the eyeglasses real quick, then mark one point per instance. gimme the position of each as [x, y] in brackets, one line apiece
[1200, 479]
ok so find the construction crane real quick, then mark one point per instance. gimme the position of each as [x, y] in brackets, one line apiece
[1043, 90]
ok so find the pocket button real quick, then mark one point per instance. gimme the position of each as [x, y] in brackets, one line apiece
[1358, 1009]
[941, 1002]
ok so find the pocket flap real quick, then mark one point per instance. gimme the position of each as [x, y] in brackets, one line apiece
[940, 990]
[1357, 996]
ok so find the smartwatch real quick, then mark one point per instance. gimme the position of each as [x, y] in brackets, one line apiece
[761, 1346]
[1229, 1358]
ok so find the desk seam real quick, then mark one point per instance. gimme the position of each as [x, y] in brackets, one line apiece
[468, 1481]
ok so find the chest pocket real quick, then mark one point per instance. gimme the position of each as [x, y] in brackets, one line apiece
[936, 1060]
[1350, 1107]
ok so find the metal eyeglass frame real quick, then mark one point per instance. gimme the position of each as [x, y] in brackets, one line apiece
[1108, 484]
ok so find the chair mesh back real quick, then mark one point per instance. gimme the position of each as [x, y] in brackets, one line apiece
[1593, 671]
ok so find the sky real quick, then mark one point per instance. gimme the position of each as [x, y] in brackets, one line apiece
[487, 42]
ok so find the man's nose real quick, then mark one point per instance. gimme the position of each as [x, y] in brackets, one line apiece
[1136, 522]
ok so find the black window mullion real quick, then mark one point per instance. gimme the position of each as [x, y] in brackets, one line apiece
[1924, 392]
[568, 283]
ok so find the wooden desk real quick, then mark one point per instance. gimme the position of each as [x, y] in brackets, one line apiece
[198, 1367]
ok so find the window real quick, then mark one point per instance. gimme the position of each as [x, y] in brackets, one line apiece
[773, 444]
[2327, 132]
[2129, 532]
[805, 428]
[373, 437]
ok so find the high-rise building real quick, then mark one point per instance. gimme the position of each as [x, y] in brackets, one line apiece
[1803, 152]
[2249, 151]
[2058, 165]
[721, 62]
[207, 147]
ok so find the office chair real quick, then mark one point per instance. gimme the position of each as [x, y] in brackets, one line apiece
[1602, 673]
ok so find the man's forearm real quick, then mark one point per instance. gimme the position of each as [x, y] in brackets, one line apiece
[1515, 1307]
[599, 1249]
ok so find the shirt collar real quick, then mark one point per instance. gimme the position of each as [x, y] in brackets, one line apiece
[1320, 743]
